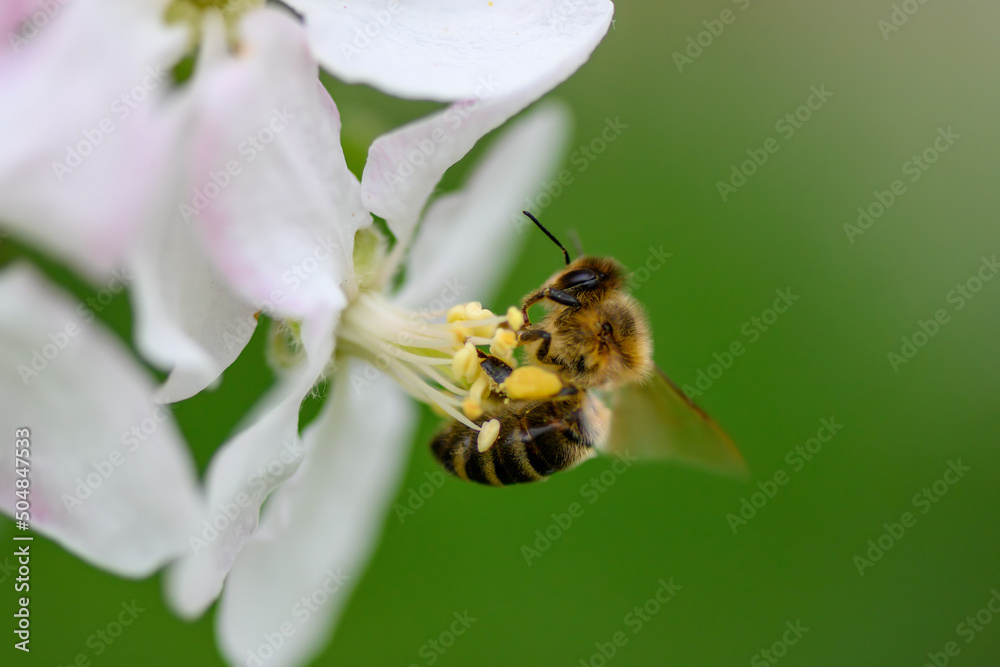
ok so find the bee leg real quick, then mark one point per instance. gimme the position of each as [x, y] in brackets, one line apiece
[496, 369]
[556, 295]
[535, 432]
[568, 390]
[561, 297]
[531, 300]
[528, 335]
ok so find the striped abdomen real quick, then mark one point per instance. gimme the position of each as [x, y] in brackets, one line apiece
[536, 439]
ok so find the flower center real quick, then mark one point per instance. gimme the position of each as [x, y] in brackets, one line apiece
[191, 13]
[433, 356]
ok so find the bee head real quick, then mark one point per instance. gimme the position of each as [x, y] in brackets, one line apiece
[590, 279]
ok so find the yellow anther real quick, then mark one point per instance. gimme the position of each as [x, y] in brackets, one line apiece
[480, 389]
[485, 330]
[503, 343]
[465, 363]
[473, 310]
[515, 318]
[474, 371]
[456, 313]
[472, 409]
[461, 333]
[488, 435]
[531, 382]
[469, 360]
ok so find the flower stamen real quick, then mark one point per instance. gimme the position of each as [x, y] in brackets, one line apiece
[488, 435]
[435, 362]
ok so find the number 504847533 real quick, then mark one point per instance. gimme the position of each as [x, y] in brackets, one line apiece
[22, 453]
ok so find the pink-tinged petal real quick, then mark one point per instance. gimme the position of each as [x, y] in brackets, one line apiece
[320, 528]
[110, 476]
[79, 169]
[273, 198]
[450, 49]
[405, 165]
[466, 239]
[188, 320]
[17, 23]
[242, 474]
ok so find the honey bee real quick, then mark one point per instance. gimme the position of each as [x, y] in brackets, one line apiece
[595, 338]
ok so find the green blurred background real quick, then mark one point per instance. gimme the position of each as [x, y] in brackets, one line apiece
[826, 357]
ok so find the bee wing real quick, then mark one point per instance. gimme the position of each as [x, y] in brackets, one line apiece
[657, 420]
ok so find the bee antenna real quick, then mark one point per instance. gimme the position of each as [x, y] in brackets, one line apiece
[549, 234]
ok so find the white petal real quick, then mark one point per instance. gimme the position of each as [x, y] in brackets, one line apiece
[78, 169]
[319, 528]
[188, 320]
[467, 238]
[449, 49]
[242, 474]
[110, 477]
[404, 166]
[274, 200]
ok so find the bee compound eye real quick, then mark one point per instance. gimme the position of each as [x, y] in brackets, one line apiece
[579, 278]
